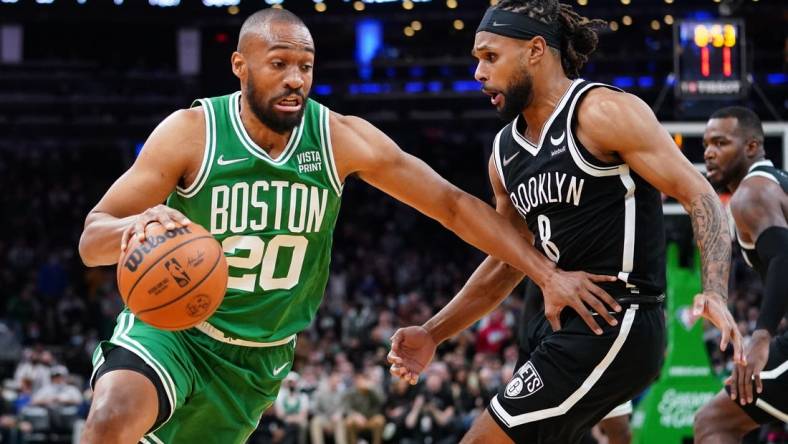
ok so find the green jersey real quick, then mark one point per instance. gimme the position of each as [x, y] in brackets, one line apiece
[274, 218]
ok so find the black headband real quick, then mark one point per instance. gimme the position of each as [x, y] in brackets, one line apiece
[519, 26]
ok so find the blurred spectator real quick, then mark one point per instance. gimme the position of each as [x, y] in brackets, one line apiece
[58, 392]
[363, 407]
[432, 417]
[327, 411]
[35, 366]
[292, 408]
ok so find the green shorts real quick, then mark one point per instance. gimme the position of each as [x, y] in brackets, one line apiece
[217, 391]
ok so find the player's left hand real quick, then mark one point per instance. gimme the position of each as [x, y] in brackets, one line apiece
[741, 381]
[712, 306]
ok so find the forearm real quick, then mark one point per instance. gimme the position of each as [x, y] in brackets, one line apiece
[710, 227]
[771, 248]
[479, 225]
[100, 240]
[492, 281]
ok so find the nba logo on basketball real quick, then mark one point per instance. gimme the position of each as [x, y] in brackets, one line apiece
[177, 272]
[524, 383]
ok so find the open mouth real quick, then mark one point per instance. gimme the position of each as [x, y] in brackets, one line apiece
[496, 97]
[289, 104]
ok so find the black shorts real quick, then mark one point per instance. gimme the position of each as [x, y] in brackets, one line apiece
[569, 380]
[771, 405]
[118, 358]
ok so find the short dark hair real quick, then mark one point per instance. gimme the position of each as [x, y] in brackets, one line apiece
[264, 17]
[578, 34]
[749, 124]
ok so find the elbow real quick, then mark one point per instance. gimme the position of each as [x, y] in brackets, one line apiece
[84, 252]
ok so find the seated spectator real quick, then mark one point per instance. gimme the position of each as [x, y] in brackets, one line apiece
[58, 392]
[292, 408]
[364, 408]
[327, 411]
[432, 417]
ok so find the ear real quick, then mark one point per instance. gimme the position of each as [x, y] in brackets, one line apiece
[238, 64]
[538, 47]
[752, 149]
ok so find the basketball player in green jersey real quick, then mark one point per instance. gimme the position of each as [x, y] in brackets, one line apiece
[263, 170]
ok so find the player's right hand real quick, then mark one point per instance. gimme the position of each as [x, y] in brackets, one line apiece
[412, 349]
[577, 289]
[743, 376]
[162, 214]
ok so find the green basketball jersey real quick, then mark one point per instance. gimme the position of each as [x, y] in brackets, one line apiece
[274, 218]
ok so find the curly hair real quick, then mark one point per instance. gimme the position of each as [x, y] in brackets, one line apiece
[579, 34]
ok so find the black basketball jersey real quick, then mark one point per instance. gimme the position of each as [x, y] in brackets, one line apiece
[762, 168]
[585, 214]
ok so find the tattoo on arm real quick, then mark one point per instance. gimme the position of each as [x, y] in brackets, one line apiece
[711, 232]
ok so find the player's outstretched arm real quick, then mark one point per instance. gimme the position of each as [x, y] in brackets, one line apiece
[134, 200]
[620, 124]
[757, 209]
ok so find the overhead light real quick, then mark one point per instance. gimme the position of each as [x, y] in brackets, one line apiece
[668, 19]
[668, 1]
[626, 20]
[320, 7]
[358, 6]
[459, 25]
[233, 10]
[582, 2]
[407, 4]
[493, 2]
[655, 25]
[625, 2]
[451, 4]
[416, 25]
[409, 31]
[613, 25]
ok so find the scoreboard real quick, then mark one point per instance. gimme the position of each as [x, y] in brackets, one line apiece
[709, 59]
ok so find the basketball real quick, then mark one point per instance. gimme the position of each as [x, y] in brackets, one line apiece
[175, 279]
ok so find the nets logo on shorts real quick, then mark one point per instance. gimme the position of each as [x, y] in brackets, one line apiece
[524, 383]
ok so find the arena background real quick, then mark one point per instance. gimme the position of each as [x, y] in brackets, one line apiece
[83, 82]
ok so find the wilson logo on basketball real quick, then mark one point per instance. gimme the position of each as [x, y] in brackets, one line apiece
[524, 383]
[135, 258]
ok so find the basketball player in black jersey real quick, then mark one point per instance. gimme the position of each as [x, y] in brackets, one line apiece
[578, 169]
[758, 393]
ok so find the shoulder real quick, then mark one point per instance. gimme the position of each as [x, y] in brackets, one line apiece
[604, 106]
[182, 129]
[754, 195]
[358, 145]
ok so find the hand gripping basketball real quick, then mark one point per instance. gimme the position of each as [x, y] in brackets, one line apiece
[166, 216]
[171, 279]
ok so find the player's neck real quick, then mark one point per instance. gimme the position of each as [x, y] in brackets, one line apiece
[734, 183]
[269, 140]
[546, 96]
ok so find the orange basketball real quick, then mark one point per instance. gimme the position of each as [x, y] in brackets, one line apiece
[175, 279]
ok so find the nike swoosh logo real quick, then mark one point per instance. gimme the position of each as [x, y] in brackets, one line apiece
[558, 141]
[223, 162]
[510, 159]
[279, 370]
[501, 24]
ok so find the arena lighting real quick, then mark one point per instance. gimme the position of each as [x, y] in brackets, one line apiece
[625, 2]
[655, 25]
[777, 78]
[82, 2]
[645, 82]
[320, 7]
[369, 40]
[458, 25]
[582, 2]
[414, 87]
[416, 25]
[273, 2]
[408, 31]
[9, 1]
[613, 25]
[322, 90]
[451, 4]
[358, 6]
[668, 19]
[221, 3]
[118, 2]
[626, 20]
[668, 1]
[466, 86]
[407, 4]
[624, 82]
[163, 3]
[233, 10]
[44, 2]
